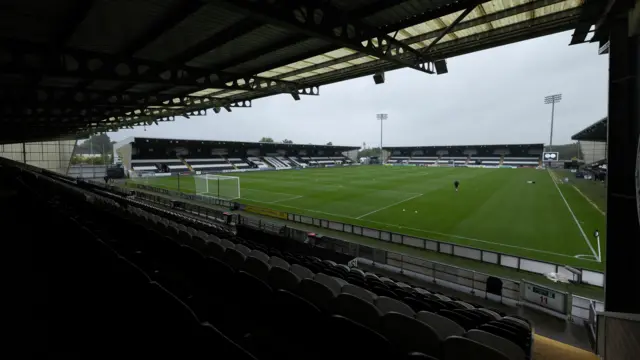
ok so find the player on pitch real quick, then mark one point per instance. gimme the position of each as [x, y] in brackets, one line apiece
[456, 184]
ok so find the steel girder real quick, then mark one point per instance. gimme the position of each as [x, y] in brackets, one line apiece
[27, 59]
[60, 97]
[320, 20]
[531, 6]
[540, 26]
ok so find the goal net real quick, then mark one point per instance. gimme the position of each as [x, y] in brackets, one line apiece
[219, 186]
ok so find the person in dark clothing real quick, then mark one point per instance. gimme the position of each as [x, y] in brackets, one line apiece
[456, 184]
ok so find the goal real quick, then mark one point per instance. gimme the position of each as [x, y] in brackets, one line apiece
[218, 186]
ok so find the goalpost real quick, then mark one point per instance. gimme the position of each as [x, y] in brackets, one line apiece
[218, 186]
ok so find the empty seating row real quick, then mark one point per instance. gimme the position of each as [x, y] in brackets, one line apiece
[257, 162]
[282, 305]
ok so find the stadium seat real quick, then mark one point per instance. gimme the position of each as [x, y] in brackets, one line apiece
[506, 334]
[443, 326]
[256, 267]
[460, 348]
[386, 305]
[342, 329]
[418, 305]
[329, 281]
[363, 294]
[234, 258]
[462, 319]
[214, 249]
[511, 350]
[316, 293]
[276, 261]
[302, 272]
[296, 324]
[356, 309]
[410, 334]
[280, 278]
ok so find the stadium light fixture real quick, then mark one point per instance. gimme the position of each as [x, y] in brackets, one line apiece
[378, 78]
[381, 118]
[552, 99]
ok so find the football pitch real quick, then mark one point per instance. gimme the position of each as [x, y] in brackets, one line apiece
[495, 209]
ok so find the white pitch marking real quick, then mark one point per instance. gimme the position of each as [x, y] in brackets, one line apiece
[388, 206]
[429, 232]
[589, 200]
[574, 217]
[287, 199]
[585, 257]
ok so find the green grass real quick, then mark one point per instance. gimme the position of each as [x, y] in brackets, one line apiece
[594, 190]
[495, 209]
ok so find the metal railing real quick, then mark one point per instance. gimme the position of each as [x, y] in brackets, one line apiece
[492, 257]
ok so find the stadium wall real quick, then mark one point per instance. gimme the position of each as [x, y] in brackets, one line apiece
[50, 155]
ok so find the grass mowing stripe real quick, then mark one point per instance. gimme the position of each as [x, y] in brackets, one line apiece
[499, 205]
[589, 200]
[437, 233]
[595, 255]
[388, 206]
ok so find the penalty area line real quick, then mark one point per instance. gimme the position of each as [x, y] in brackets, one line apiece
[388, 206]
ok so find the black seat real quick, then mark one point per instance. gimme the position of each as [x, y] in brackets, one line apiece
[509, 335]
[296, 325]
[464, 321]
[233, 258]
[279, 278]
[418, 305]
[460, 348]
[316, 293]
[256, 267]
[343, 330]
[410, 334]
[356, 309]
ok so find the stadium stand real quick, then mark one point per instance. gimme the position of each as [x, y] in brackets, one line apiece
[209, 164]
[485, 155]
[173, 282]
[141, 155]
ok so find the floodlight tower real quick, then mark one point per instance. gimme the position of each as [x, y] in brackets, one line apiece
[381, 118]
[552, 99]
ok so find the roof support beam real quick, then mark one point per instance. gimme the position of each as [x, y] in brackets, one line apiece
[433, 34]
[320, 20]
[56, 97]
[541, 26]
[448, 29]
[26, 60]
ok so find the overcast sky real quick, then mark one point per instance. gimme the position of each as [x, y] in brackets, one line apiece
[489, 97]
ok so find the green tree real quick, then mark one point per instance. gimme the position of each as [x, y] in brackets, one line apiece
[285, 141]
[330, 143]
[97, 144]
[266, 140]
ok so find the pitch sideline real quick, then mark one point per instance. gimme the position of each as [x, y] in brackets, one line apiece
[575, 219]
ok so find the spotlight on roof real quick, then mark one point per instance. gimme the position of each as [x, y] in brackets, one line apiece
[296, 96]
[378, 78]
[441, 67]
